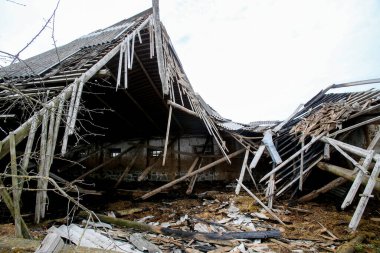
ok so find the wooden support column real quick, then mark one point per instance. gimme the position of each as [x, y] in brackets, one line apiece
[41, 167]
[193, 179]
[204, 168]
[167, 135]
[365, 197]
[9, 203]
[16, 192]
[242, 172]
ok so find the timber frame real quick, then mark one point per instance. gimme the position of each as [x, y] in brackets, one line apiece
[124, 91]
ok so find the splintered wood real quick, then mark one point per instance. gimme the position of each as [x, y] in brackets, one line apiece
[329, 117]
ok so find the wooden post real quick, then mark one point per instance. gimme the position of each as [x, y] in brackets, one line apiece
[15, 186]
[9, 203]
[167, 135]
[345, 173]
[357, 182]
[271, 189]
[159, 49]
[56, 127]
[76, 108]
[38, 207]
[49, 157]
[194, 178]
[204, 168]
[242, 172]
[365, 197]
[68, 118]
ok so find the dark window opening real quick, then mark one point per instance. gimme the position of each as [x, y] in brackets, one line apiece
[154, 152]
[114, 152]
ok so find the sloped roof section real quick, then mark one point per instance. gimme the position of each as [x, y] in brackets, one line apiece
[38, 64]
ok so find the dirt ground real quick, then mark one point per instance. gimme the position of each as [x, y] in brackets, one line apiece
[310, 225]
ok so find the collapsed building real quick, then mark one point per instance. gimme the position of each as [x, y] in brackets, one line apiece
[115, 107]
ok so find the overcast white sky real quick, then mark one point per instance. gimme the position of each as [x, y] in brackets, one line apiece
[249, 59]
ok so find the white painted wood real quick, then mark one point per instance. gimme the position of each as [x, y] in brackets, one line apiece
[326, 151]
[355, 163]
[357, 182]
[302, 162]
[257, 157]
[242, 172]
[76, 108]
[51, 243]
[292, 157]
[296, 179]
[366, 195]
[268, 142]
[120, 65]
[167, 135]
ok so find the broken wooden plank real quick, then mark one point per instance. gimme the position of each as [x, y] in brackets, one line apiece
[331, 185]
[268, 142]
[365, 197]
[352, 160]
[262, 204]
[345, 173]
[51, 243]
[204, 168]
[186, 234]
[349, 247]
[182, 108]
[167, 135]
[242, 172]
[357, 182]
[292, 157]
[257, 157]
